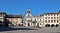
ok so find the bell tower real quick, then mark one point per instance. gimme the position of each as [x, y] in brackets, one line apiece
[28, 10]
[28, 14]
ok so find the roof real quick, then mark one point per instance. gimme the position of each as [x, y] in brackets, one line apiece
[2, 13]
[14, 16]
[51, 13]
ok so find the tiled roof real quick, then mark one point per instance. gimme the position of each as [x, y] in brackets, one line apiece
[14, 16]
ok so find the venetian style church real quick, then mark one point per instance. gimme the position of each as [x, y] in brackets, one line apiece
[30, 20]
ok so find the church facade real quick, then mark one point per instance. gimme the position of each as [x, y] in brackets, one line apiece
[29, 20]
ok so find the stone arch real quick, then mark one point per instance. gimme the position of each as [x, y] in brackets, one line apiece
[47, 25]
[52, 25]
[57, 25]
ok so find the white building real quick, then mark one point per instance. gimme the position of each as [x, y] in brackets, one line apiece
[51, 19]
[45, 20]
[30, 20]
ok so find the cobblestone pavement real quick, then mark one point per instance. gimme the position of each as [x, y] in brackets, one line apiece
[31, 30]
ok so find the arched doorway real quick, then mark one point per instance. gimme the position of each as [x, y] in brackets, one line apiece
[37, 24]
[28, 24]
[52, 25]
[47, 25]
[57, 25]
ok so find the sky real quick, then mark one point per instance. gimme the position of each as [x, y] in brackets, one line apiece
[36, 6]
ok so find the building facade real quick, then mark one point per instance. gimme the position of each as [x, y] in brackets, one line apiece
[51, 19]
[29, 20]
[2, 18]
[15, 20]
[6, 20]
[45, 20]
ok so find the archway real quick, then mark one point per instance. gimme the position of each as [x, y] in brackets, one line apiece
[52, 25]
[57, 25]
[47, 25]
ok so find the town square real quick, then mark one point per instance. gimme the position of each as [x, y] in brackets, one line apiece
[29, 16]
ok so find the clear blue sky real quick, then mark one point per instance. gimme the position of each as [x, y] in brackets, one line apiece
[36, 6]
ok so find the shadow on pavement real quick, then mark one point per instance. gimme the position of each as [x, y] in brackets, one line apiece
[55, 32]
[12, 29]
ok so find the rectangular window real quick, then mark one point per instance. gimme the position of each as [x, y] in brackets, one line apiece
[57, 14]
[57, 20]
[57, 17]
[49, 21]
[54, 20]
[54, 14]
[46, 21]
[45, 15]
[49, 15]
[54, 17]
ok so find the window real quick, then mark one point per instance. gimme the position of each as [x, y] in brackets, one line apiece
[57, 20]
[57, 17]
[35, 19]
[49, 15]
[54, 20]
[54, 14]
[57, 14]
[46, 21]
[49, 21]
[54, 17]
[45, 15]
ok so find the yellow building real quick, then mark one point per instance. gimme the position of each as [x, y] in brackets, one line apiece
[6, 20]
[15, 20]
